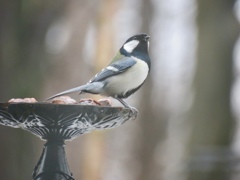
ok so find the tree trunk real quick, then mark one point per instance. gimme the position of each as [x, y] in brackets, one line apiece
[210, 117]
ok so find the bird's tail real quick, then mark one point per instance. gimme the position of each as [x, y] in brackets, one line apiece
[79, 88]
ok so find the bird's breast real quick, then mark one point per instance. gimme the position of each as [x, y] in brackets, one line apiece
[128, 80]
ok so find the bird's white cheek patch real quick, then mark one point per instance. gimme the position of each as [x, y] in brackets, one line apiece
[130, 46]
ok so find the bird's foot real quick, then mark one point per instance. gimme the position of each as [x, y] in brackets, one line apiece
[133, 110]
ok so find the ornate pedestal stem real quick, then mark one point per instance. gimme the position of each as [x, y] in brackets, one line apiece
[53, 162]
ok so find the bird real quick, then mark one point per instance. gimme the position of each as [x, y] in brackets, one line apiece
[125, 74]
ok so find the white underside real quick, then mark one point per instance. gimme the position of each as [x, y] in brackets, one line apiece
[128, 80]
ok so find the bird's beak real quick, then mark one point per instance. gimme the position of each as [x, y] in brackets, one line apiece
[147, 38]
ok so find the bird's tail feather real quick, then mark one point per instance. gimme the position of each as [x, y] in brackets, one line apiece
[79, 88]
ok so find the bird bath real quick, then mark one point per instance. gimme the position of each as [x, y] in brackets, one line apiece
[56, 123]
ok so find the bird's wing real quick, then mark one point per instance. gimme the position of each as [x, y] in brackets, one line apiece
[113, 69]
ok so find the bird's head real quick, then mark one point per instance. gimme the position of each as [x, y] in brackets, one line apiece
[135, 45]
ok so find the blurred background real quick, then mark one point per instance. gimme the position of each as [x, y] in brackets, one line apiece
[189, 108]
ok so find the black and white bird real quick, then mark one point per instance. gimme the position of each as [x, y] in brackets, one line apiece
[124, 75]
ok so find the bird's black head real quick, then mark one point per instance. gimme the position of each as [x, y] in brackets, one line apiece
[136, 45]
